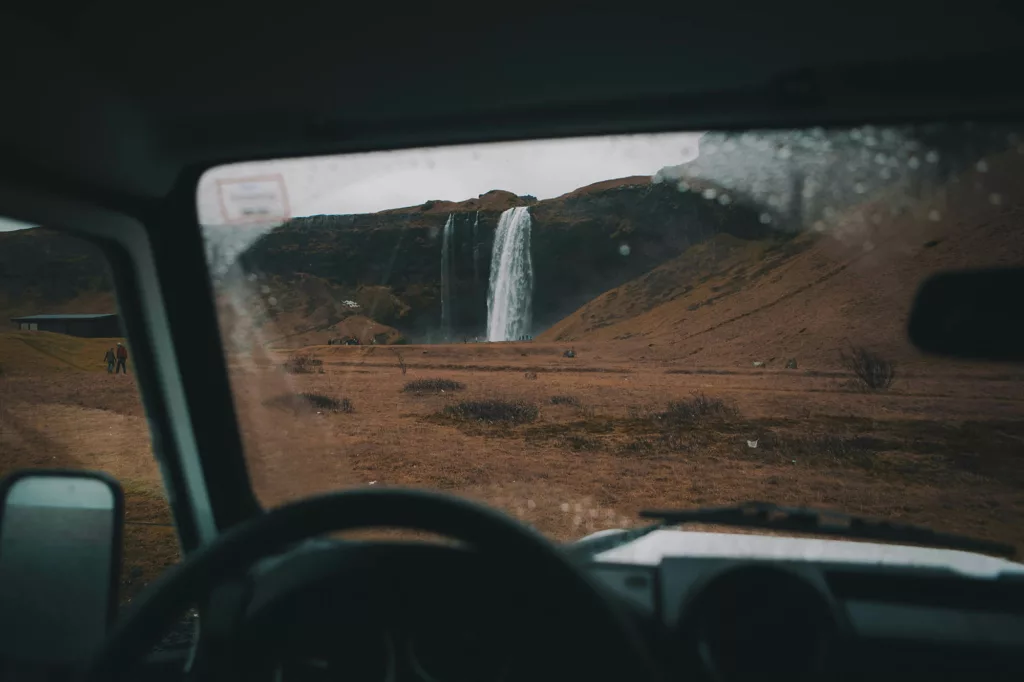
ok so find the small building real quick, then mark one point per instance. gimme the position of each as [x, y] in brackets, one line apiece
[92, 325]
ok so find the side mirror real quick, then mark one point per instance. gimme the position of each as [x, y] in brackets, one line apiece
[60, 557]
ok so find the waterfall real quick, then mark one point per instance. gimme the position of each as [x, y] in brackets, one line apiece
[446, 278]
[510, 293]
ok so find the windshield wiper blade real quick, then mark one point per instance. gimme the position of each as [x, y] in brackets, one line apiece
[824, 522]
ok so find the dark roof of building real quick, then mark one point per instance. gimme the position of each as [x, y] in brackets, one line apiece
[72, 316]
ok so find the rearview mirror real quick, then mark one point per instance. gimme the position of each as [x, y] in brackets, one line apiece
[60, 555]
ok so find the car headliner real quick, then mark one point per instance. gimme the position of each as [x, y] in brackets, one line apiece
[117, 97]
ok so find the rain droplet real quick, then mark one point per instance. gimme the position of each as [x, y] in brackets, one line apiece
[272, 301]
[982, 166]
[784, 153]
[881, 158]
[623, 249]
[265, 289]
[995, 199]
[765, 218]
[934, 216]
[885, 173]
[683, 186]
[724, 199]
[914, 162]
[859, 188]
[932, 157]
[819, 226]
[709, 193]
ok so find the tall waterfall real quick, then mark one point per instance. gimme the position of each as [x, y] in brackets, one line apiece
[446, 277]
[510, 294]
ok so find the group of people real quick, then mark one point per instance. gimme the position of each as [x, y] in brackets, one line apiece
[117, 359]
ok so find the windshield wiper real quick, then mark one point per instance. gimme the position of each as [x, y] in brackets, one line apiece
[824, 522]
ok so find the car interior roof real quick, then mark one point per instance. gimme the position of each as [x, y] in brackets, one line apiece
[118, 98]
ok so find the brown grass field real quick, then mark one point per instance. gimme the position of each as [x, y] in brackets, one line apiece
[941, 450]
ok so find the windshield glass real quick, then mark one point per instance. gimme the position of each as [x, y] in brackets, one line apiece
[575, 330]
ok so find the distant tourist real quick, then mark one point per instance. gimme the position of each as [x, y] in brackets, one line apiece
[110, 359]
[122, 359]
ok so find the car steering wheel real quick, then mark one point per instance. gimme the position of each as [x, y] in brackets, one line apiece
[535, 560]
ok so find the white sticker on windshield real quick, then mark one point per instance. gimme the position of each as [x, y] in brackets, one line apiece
[255, 199]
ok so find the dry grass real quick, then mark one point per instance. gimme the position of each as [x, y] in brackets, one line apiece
[492, 411]
[434, 385]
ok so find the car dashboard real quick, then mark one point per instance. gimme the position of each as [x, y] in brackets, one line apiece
[376, 612]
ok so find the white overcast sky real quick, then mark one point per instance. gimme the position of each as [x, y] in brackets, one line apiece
[365, 183]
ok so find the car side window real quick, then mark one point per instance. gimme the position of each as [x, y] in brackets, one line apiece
[68, 392]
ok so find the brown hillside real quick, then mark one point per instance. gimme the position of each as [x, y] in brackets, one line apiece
[730, 302]
[45, 271]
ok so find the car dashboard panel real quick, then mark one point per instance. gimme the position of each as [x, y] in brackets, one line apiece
[390, 611]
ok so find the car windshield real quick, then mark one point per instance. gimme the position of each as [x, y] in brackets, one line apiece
[575, 330]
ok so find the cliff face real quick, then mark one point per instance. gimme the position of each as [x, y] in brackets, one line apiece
[583, 243]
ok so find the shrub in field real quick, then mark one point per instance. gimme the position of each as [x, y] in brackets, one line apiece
[304, 401]
[872, 370]
[565, 400]
[303, 363]
[495, 410]
[698, 408]
[433, 386]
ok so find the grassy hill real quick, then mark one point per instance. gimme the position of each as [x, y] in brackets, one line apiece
[44, 353]
[729, 302]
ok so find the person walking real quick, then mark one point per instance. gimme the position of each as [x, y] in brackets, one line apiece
[110, 359]
[122, 359]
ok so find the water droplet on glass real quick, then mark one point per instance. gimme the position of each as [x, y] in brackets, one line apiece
[819, 226]
[859, 188]
[765, 218]
[934, 216]
[565, 506]
[982, 166]
[709, 193]
[252, 276]
[272, 301]
[784, 153]
[264, 289]
[724, 199]
[885, 173]
[881, 158]
[914, 162]
[729, 146]
[683, 186]
[623, 249]
[995, 199]
[932, 157]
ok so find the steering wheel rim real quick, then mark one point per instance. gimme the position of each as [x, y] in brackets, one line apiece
[235, 551]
